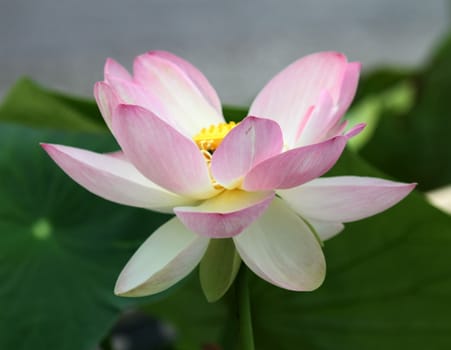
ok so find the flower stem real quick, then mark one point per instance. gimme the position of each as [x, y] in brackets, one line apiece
[244, 311]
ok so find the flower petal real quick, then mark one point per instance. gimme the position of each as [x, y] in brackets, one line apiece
[113, 178]
[125, 90]
[325, 230]
[182, 99]
[440, 198]
[280, 248]
[348, 87]
[166, 257]
[249, 143]
[107, 101]
[118, 91]
[226, 214]
[289, 95]
[114, 70]
[196, 76]
[345, 198]
[338, 129]
[218, 268]
[355, 130]
[295, 167]
[319, 122]
[128, 92]
[161, 153]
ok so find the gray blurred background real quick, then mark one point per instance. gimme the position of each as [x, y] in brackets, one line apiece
[239, 45]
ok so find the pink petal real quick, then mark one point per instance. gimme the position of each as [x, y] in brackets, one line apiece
[328, 121]
[107, 100]
[126, 91]
[138, 95]
[225, 215]
[337, 129]
[280, 248]
[295, 167]
[355, 130]
[161, 153]
[119, 155]
[288, 96]
[321, 120]
[248, 144]
[345, 198]
[166, 257]
[304, 121]
[108, 97]
[114, 70]
[196, 76]
[129, 92]
[181, 98]
[348, 87]
[112, 178]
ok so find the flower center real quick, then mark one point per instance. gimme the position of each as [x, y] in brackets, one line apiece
[209, 139]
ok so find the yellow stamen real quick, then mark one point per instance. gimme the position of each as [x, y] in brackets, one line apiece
[209, 139]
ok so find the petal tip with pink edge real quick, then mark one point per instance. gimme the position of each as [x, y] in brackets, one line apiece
[355, 130]
[225, 215]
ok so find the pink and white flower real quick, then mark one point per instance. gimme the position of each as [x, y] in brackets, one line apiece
[256, 183]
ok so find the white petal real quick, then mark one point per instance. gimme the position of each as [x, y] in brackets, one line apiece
[280, 248]
[325, 230]
[166, 257]
[441, 198]
[345, 198]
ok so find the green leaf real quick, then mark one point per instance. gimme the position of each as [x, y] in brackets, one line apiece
[30, 104]
[61, 248]
[218, 268]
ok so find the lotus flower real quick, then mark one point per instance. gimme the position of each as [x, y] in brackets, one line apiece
[249, 191]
